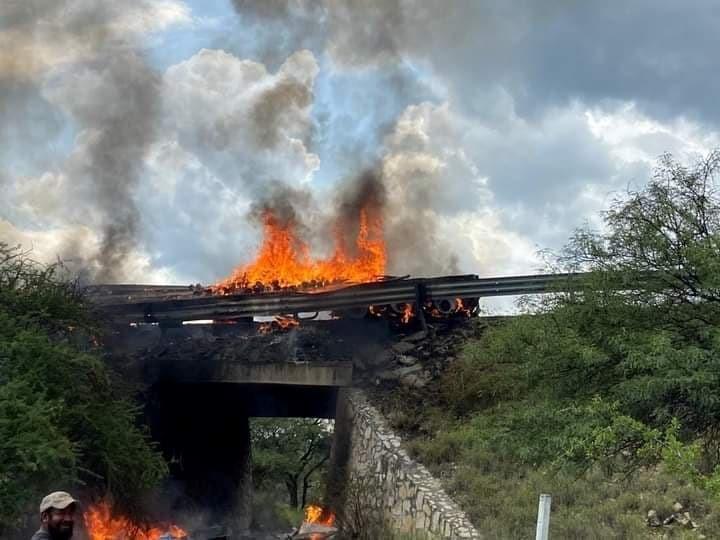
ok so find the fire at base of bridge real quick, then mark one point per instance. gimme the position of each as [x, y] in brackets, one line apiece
[102, 523]
[319, 524]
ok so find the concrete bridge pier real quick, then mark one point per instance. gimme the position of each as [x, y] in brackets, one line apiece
[340, 453]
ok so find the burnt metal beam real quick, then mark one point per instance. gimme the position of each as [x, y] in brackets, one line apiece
[166, 303]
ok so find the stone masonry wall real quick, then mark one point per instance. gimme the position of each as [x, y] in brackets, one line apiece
[405, 492]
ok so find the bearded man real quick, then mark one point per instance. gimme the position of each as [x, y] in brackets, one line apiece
[57, 517]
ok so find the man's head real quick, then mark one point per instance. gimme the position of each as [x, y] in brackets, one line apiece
[57, 514]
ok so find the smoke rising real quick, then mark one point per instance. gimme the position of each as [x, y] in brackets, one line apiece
[353, 32]
[121, 114]
[84, 58]
[373, 41]
[287, 204]
[177, 160]
[364, 192]
[267, 115]
[267, 9]
[407, 185]
[250, 126]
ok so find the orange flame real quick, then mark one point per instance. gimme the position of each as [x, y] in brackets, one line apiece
[284, 259]
[265, 328]
[286, 322]
[102, 525]
[460, 308]
[281, 322]
[317, 514]
[407, 314]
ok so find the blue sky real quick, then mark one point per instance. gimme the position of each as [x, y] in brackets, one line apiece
[497, 127]
[349, 107]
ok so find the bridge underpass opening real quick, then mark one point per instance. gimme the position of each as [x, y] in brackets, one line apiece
[203, 428]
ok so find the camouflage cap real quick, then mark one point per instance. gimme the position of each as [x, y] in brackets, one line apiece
[57, 499]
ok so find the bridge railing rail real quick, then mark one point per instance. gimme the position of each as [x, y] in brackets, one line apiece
[158, 303]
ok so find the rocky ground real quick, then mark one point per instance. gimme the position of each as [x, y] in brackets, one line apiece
[415, 359]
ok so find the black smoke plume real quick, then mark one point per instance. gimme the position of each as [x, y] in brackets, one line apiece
[102, 80]
[362, 34]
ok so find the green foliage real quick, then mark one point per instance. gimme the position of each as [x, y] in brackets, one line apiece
[288, 516]
[270, 510]
[607, 396]
[37, 294]
[599, 374]
[501, 494]
[61, 421]
[33, 449]
[685, 461]
[290, 452]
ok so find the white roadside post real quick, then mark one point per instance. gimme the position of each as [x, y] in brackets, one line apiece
[543, 519]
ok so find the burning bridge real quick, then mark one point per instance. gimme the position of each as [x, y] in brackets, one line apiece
[189, 335]
[178, 319]
[174, 305]
[210, 364]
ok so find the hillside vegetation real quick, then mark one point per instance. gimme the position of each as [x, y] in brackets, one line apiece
[607, 397]
[62, 423]
[290, 457]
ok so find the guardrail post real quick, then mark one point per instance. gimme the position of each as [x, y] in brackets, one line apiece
[420, 296]
[543, 519]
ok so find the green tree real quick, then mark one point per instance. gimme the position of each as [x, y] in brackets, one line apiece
[290, 452]
[61, 420]
[625, 367]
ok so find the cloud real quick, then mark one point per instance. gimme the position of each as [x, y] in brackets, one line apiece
[82, 58]
[596, 52]
[634, 136]
[544, 53]
[496, 127]
[39, 35]
[524, 185]
[250, 126]
[231, 131]
[441, 216]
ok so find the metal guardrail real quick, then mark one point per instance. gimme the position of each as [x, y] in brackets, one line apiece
[153, 303]
[498, 286]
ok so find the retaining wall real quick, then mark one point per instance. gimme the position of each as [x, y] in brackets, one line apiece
[401, 490]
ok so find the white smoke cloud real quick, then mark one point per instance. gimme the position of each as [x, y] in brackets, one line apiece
[46, 244]
[250, 126]
[82, 59]
[46, 34]
[441, 213]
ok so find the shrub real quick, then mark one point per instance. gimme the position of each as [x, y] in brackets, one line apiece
[62, 423]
